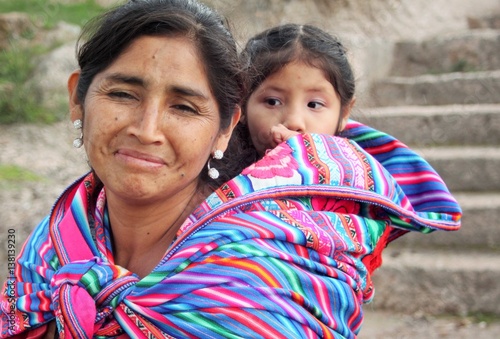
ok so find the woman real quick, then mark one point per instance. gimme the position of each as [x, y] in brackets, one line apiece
[156, 96]
[133, 250]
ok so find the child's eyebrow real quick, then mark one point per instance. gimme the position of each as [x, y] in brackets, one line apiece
[273, 88]
[317, 89]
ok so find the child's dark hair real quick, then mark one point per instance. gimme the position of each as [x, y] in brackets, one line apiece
[269, 51]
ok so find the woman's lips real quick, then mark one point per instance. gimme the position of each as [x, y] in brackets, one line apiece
[139, 158]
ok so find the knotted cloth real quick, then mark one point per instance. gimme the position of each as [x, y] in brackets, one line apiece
[82, 287]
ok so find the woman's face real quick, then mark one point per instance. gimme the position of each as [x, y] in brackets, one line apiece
[150, 120]
[299, 97]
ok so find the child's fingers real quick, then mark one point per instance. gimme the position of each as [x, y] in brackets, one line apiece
[280, 133]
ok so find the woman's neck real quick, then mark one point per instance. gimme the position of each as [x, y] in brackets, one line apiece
[142, 234]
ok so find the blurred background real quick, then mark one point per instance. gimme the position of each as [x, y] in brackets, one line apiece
[428, 72]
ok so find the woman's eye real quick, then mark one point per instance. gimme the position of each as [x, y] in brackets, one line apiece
[121, 95]
[272, 102]
[185, 108]
[314, 104]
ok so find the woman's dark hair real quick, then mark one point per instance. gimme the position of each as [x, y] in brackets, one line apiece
[105, 38]
[269, 51]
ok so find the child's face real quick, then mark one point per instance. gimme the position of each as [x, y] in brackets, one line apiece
[298, 97]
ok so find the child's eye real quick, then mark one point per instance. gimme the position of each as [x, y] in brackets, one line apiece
[272, 102]
[314, 104]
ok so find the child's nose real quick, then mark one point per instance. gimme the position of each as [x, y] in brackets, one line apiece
[294, 120]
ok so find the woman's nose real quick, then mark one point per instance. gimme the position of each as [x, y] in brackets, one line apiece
[148, 125]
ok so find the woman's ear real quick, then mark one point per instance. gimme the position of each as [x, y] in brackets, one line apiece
[75, 107]
[346, 113]
[226, 134]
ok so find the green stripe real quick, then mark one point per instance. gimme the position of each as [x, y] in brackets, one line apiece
[91, 282]
[290, 275]
[151, 279]
[368, 136]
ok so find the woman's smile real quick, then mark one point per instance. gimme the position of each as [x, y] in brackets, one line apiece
[135, 158]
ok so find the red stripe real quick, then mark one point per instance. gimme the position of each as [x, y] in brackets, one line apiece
[387, 147]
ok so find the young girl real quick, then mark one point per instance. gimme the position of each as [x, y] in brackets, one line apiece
[300, 81]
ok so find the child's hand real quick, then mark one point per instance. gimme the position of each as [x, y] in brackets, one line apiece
[280, 133]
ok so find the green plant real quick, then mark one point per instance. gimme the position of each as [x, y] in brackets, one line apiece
[11, 173]
[48, 13]
[487, 318]
[16, 103]
[461, 65]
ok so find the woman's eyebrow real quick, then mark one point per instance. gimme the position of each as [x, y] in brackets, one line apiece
[188, 91]
[127, 79]
[134, 80]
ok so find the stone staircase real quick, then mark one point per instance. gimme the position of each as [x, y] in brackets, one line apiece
[442, 97]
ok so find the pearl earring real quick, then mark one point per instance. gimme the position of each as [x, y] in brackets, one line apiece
[78, 142]
[218, 154]
[212, 172]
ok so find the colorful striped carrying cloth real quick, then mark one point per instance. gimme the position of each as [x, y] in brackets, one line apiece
[284, 250]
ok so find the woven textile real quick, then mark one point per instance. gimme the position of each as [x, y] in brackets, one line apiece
[284, 250]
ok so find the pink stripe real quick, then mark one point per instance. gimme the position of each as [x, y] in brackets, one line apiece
[323, 300]
[70, 232]
[416, 177]
[227, 296]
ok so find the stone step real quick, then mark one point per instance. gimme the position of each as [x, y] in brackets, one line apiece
[474, 50]
[438, 282]
[384, 324]
[487, 21]
[436, 125]
[480, 229]
[471, 169]
[443, 89]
